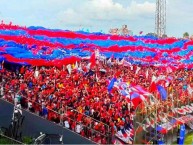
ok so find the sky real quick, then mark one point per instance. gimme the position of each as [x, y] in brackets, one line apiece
[98, 15]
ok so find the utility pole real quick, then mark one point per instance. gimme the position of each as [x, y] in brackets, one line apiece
[160, 18]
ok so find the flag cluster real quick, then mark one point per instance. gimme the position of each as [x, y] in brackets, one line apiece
[41, 46]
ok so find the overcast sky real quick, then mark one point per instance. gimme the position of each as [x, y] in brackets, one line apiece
[97, 15]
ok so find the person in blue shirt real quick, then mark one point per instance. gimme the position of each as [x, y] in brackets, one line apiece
[30, 85]
[44, 112]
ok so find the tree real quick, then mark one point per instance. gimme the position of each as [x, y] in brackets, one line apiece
[186, 35]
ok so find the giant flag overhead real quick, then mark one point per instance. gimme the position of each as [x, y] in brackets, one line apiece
[41, 46]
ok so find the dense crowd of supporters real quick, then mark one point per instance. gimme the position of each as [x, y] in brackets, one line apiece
[78, 96]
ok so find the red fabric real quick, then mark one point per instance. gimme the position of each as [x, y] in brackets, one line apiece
[42, 62]
[79, 118]
[153, 87]
[22, 70]
[136, 102]
[118, 73]
[125, 135]
[93, 60]
[163, 131]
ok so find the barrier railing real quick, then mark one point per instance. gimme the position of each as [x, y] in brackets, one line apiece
[7, 140]
[84, 127]
[107, 128]
[147, 117]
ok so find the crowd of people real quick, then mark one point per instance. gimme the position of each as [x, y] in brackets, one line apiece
[77, 97]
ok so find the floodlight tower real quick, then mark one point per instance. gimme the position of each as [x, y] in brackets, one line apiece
[160, 18]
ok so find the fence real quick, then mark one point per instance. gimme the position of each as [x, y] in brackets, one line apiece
[68, 118]
[148, 117]
[7, 140]
[34, 124]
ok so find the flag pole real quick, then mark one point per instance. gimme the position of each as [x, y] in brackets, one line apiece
[156, 120]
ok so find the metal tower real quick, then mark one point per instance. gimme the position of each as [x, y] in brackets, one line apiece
[160, 18]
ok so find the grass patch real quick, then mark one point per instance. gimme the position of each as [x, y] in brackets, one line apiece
[189, 138]
[6, 141]
[27, 140]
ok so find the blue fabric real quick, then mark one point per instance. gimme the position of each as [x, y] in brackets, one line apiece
[50, 97]
[182, 134]
[173, 121]
[159, 128]
[138, 46]
[162, 92]
[184, 87]
[44, 111]
[160, 142]
[30, 85]
[111, 84]
[43, 87]
[134, 95]
[124, 93]
[123, 131]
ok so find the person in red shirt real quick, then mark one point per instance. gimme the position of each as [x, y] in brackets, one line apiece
[22, 70]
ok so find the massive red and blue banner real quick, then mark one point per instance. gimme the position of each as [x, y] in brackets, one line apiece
[52, 47]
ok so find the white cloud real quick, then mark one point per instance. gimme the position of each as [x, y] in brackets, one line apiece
[104, 14]
[144, 8]
[67, 14]
[98, 14]
[107, 10]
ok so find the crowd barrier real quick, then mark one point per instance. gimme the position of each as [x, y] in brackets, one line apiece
[87, 130]
[84, 126]
[149, 116]
[8, 140]
[33, 125]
